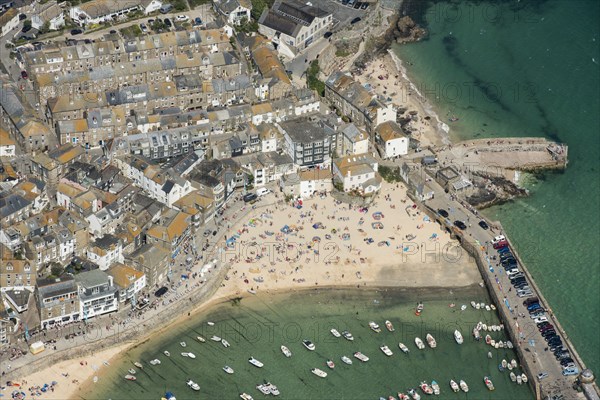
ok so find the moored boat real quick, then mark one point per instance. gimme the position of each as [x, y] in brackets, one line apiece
[490, 354]
[346, 360]
[435, 387]
[225, 343]
[200, 339]
[473, 304]
[193, 385]
[156, 361]
[215, 338]
[509, 344]
[403, 347]
[131, 371]
[319, 373]
[458, 337]
[426, 388]
[454, 386]
[488, 383]
[347, 335]
[191, 355]
[524, 378]
[183, 344]
[286, 352]
[166, 353]
[513, 362]
[228, 369]
[477, 306]
[264, 389]
[330, 364]
[513, 377]
[360, 356]
[488, 339]
[504, 364]
[389, 326]
[130, 377]
[138, 364]
[419, 343]
[386, 350]
[476, 334]
[463, 386]
[274, 390]
[308, 344]
[431, 341]
[402, 396]
[210, 323]
[335, 332]
[374, 327]
[413, 393]
[419, 309]
[246, 396]
[255, 362]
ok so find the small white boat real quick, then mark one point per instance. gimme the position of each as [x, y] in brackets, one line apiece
[210, 323]
[419, 343]
[319, 373]
[501, 344]
[463, 386]
[193, 385]
[510, 367]
[374, 327]
[246, 396]
[504, 364]
[308, 344]
[476, 334]
[131, 371]
[473, 304]
[330, 364]
[274, 390]
[215, 338]
[346, 360]
[458, 337]
[286, 352]
[509, 344]
[130, 377]
[386, 350]
[255, 362]
[487, 308]
[95, 379]
[228, 369]
[360, 356]
[183, 344]
[463, 307]
[389, 326]
[403, 347]
[489, 354]
[347, 335]
[524, 378]
[200, 339]
[477, 306]
[435, 387]
[156, 361]
[513, 377]
[493, 307]
[426, 388]
[481, 305]
[225, 343]
[454, 386]
[513, 362]
[184, 354]
[488, 383]
[431, 341]
[519, 380]
[335, 332]
[138, 364]
[166, 353]
[191, 355]
[413, 393]
[484, 327]
[264, 389]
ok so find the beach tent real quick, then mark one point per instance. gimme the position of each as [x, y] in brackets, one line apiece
[285, 229]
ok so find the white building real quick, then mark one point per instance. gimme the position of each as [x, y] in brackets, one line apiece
[7, 145]
[53, 15]
[58, 301]
[105, 251]
[357, 172]
[9, 20]
[97, 293]
[99, 11]
[235, 11]
[354, 140]
[390, 140]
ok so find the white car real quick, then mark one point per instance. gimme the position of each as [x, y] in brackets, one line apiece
[539, 320]
[513, 271]
[182, 18]
[262, 191]
[498, 238]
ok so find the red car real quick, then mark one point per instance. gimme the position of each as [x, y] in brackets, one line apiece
[24, 74]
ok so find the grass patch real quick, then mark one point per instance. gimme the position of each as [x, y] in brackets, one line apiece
[312, 78]
[132, 31]
[390, 175]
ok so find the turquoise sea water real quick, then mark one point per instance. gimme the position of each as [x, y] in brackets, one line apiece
[530, 68]
[258, 326]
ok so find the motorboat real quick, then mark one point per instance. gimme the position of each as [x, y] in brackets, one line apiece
[330, 364]
[319, 373]
[413, 393]
[274, 390]
[454, 386]
[215, 338]
[419, 343]
[386, 350]
[389, 326]
[183, 344]
[487, 308]
[264, 389]
[131, 371]
[493, 307]
[130, 377]
[346, 360]
[473, 304]
[347, 335]
[374, 327]
[255, 362]
[488, 339]
[138, 364]
[193, 385]
[463, 386]
[490, 354]
[191, 355]
[509, 344]
[360, 356]
[458, 337]
[513, 362]
[246, 396]
[488, 383]
[519, 380]
[431, 341]
[210, 323]
[403, 347]
[524, 378]
[509, 366]
[286, 352]
[335, 332]
[156, 361]
[426, 388]
[484, 327]
[476, 334]
[504, 364]
[513, 377]
[463, 307]
[228, 369]
[501, 368]
[308, 344]
[419, 309]
[402, 396]
[435, 387]
[477, 306]
[225, 343]
[481, 305]
[166, 353]
[200, 339]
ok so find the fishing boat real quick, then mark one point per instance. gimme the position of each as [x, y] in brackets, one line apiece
[346, 360]
[183, 344]
[200, 339]
[246, 396]
[419, 343]
[215, 338]
[426, 388]
[463, 386]
[419, 309]
[431, 341]
[347, 335]
[403, 347]
[488, 383]
[435, 387]
[274, 390]
[454, 386]
[264, 389]
[156, 361]
[319, 373]
[402, 396]
[513, 377]
[330, 364]
[413, 393]
[228, 369]
[386, 350]
[138, 364]
[130, 377]
[225, 343]
[519, 379]
[131, 371]
[193, 385]
[308, 344]
[360, 356]
[374, 327]
[166, 353]
[488, 339]
[389, 326]
[335, 332]
[255, 362]
[286, 352]
[524, 377]
[458, 337]
[191, 355]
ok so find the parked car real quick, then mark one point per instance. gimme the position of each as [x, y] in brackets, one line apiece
[262, 191]
[531, 301]
[168, 22]
[160, 292]
[542, 375]
[197, 21]
[484, 225]
[460, 225]
[327, 35]
[76, 32]
[250, 197]
[182, 18]
[355, 20]
[24, 74]
[22, 17]
[443, 212]
[364, 6]
[112, 32]
[570, 371]
[144, 28]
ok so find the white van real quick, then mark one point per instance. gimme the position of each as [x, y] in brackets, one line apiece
[262, 191]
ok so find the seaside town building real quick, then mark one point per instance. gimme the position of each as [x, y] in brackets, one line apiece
[97, 11]
[97, 293]
[308, 141]
[235, 11]
[58, 301]
[357, 173]
[7, 144]
[391, 141]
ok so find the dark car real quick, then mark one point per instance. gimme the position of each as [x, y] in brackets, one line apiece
[197, 21]
[26, 28]
[443, 213]
[168, 22]
[484, 225]
[355, 20]
[531, 301]
[24, 74]
[76, 32]
[250, 197]
[364, 6]
[327, 35]
[160, 292]
[22, 17]
[460, 225]
[112, 32]
[566, 361]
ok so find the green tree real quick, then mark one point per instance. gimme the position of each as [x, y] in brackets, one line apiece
[27, 24]
[56, 269]
[312, 78]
